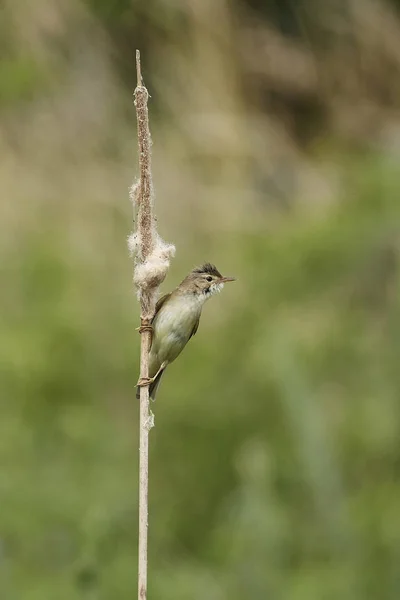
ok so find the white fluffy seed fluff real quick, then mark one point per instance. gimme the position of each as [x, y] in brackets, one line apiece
[152, 271]
[134, 192]
[133, 244]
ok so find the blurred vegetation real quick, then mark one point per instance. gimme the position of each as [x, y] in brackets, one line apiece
[275, 456]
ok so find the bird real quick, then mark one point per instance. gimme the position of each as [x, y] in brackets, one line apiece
[176, 320]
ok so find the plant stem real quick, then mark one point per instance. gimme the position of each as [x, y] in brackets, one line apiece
[145, 232]
[152, 259]
[145, 424]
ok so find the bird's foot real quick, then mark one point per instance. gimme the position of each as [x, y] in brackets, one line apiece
[144, 328]
[144, 381]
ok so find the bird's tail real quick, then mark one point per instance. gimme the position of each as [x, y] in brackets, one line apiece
[152, 388]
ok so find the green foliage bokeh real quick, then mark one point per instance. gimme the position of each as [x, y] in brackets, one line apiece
[274, 459]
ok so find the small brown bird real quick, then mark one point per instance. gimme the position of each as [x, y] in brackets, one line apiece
[177, 319]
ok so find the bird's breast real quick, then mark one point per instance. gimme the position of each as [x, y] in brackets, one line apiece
[173, 326]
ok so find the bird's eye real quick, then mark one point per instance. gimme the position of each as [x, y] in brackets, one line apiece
[209, 278]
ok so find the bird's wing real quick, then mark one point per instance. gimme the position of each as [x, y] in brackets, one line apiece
[195, 328]
[160, 302]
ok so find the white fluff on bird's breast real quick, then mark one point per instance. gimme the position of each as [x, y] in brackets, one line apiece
[214, 288]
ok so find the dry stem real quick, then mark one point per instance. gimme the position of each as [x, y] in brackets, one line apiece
[152, 256]
[145, 234]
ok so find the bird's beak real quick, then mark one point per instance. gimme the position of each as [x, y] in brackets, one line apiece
[225, 279]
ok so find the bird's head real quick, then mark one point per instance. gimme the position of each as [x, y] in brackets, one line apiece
[205, 281]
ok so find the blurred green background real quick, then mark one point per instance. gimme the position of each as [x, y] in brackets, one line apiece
[275, 458]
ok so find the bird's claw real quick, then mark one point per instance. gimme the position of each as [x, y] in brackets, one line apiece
[144, 381]
[144, 328]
